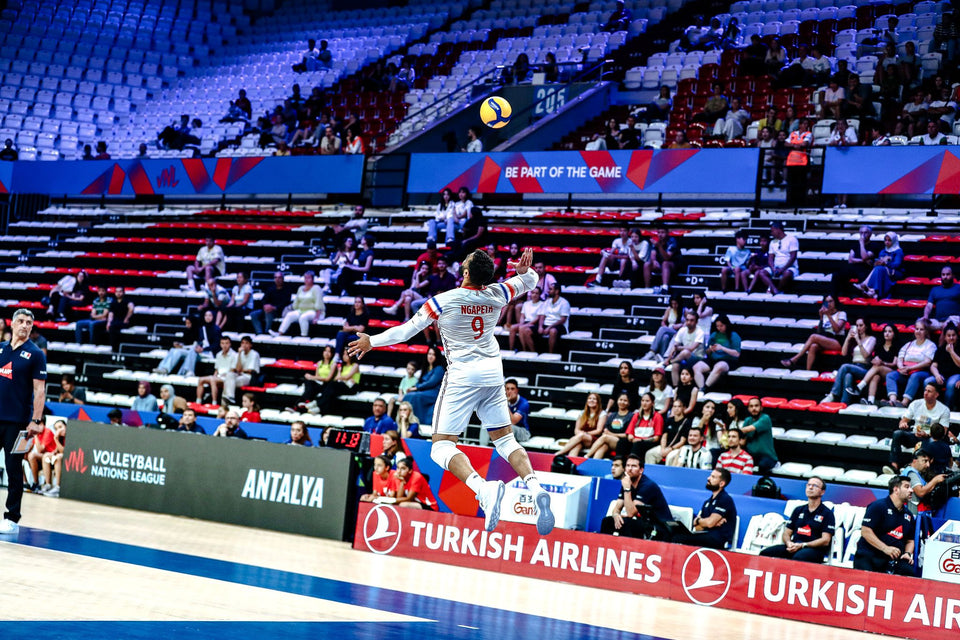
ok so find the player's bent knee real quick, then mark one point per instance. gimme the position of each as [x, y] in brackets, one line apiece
[442, 452]
[506, 445]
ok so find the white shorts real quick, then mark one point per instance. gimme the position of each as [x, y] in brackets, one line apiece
[457, 402]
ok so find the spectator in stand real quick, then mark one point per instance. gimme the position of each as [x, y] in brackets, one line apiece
[70, 393]
[625, 382]
[809, 534]
[98, 318]
[674, 436]
[194, 341]
[758, 430]
[169, 401]
[859, 262]
[735, 261]
[313, 382]
[858, 346]
[830, 328]
[943, 303]
[346, 378]
[550, 68]
[646, 428]
[329, 144]
[619, 20]
[239, 305]
[418, 286]
[619, 250]
[519, 409]
[423, 396]
[8, 153]
[307, 307]
[554, 319]
[407, 382]
[474, 143]
[712, 427]
[945, 369]
[887, 269]
[408, 424]
[918, 472]
[629, 135]
[231, 427]
[715, 524]
[736, 459]
[886, 533]
[384, 481]
[616, 469]
[446, 214]
[733, 123]
[355, 322]
[248, 366]
[588, 428]
[636, 490]
[923, 413]
[686, 391]
[883, 362]
[210, 261]
[775, 58]
[102, 151]
[944, 110]
[474, 235]
[670, 323]
[639, 253]
[441, 280]
[842, 135]
[614, 430]
[687, 347]
[755, 53]
[914, 114]
[412, 488]
[379, 422]
[224, 362]
[913, 364]
[530, 312]
[346, 254]
[119, 316]
[722, 354]
[69, 292]
[798, 159]
[658, 110]
[662, 392]
[716, 106]
[736, 414]
[858, 99]
[701, 306]
[351, 272]
[354, 137]
[946, 39]
[87, 152]
[832, 99]
[933, 136]
[782, 267]
[249, 409]
[680, 141]
[44, 447]
[309, 60]
[664, 259]
[692, 455]
[324, 56]
[144, 401]
[299, 435]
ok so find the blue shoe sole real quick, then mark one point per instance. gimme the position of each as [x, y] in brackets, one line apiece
[493, 518]
[545, 520]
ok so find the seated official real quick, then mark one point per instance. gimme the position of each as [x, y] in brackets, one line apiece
[808, 536]
[886, 534]
[637, 490]
[716, 523]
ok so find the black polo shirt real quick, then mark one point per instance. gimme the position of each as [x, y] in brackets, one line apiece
[894, 527]
[723, 504]
[648, 492]
[808, 526]
[18, 369]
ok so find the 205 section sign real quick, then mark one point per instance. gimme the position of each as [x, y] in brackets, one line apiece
[878, 603]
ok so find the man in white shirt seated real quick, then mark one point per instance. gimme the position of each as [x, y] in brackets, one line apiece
[783, 260]
[923, 413]
[693, 455]
[933, 137]
[733, 123]
[687, 347]
[843, 135]
[554, 318]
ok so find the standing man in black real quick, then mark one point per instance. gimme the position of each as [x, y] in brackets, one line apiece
[887, 533]
[716, 523]
[637, 490]
[23, 389]
[810, 531]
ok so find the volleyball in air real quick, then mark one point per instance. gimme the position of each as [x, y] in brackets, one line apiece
[495, 112]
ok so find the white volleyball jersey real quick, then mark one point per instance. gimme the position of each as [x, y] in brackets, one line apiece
[467, 318]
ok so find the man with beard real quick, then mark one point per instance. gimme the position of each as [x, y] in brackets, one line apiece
[637, 490]
[714, 526]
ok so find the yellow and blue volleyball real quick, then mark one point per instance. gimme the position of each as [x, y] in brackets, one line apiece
[495, 112]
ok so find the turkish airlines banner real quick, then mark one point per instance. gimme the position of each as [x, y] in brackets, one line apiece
[877, 603]
[645, 171]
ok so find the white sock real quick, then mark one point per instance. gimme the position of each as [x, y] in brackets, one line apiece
[475, 482]
[861, 386]
[532, 483]
[871, 399]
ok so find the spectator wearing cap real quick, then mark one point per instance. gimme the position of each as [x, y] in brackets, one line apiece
[231, 426]
[782, 267]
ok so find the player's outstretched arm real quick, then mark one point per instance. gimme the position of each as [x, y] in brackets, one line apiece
[394, 335]
[524, 263]
[360, 346]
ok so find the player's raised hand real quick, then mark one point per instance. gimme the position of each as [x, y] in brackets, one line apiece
[360, 346]
[523, 264]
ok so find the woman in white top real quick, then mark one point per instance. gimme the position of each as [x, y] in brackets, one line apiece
[660, 389]
[670, 323]
[858, 346]
[462, 206]
[704, 312]
[833, 323]
[913, 363]
[445, 215]
[530, 313]
[306, 309]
